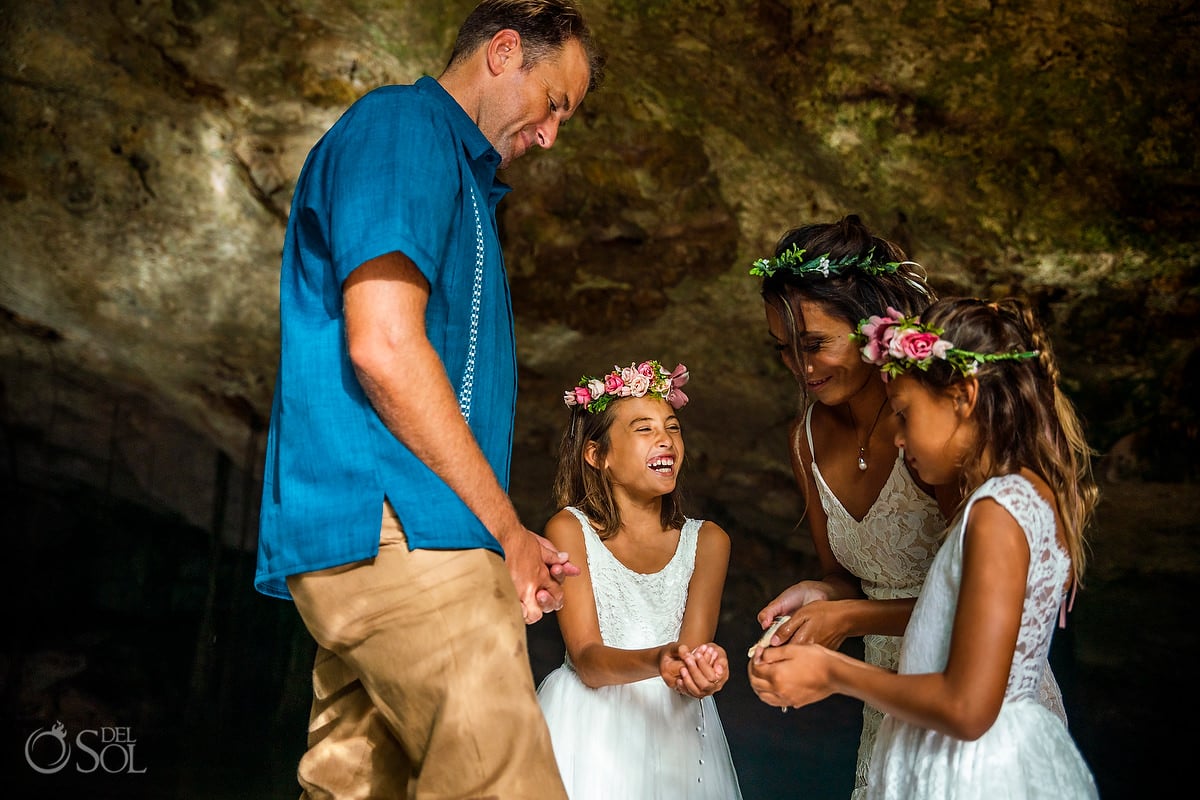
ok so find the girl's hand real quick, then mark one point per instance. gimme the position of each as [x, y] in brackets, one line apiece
[705, 671]
[697, 673]
[549, 596]
[792, 598]
[537, 569]
[792, 675]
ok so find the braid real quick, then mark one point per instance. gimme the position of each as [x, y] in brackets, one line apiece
[1035, 336]
[1078, 490]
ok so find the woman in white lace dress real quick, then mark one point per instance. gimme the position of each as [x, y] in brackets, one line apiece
[974, 387]
[875, 525]
[630, 711]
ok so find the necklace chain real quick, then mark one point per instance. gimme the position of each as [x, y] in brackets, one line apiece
[862, 447]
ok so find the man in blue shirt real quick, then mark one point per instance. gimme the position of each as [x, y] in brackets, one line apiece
[385, 513]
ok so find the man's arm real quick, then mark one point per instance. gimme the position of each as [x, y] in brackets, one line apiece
[405, 380]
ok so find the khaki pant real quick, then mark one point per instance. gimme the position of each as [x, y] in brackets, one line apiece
[422, 687]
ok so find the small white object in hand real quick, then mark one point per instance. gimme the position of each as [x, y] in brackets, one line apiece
[765, 639]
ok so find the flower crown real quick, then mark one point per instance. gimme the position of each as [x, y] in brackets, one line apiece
[896, 343]
[792, 260]
[636, 380]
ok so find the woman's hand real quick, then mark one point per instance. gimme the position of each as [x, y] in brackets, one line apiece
[792, 598]
[819, 622]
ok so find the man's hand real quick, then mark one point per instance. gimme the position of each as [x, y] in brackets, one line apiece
[537, 570]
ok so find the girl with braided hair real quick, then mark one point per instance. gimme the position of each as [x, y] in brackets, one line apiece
[974, 390]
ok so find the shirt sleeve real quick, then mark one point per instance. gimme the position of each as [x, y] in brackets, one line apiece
[393, 184]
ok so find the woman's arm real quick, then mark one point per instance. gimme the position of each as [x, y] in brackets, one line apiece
[837, 582]
[830, 622]
[596, 663]
[964, 699]
[843, 583]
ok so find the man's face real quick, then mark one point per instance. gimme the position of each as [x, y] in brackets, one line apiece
[527, 107]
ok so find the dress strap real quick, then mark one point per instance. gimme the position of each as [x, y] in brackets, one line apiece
[808, 431]
[579, 515]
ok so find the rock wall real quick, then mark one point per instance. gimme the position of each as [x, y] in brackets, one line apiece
[150, 148]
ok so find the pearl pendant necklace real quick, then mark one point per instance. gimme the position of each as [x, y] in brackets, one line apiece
[862, 447]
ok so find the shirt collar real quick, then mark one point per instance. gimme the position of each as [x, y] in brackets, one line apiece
[478, 148]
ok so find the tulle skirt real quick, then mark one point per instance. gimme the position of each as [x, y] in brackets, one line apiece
[637, 741]
[1026, 754]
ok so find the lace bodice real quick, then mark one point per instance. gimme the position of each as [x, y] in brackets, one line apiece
[891, 547]
[638, 610]
[927, 640]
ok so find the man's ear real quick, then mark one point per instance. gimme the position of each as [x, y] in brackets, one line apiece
[965, 394]
[504, 51]
[589, 453]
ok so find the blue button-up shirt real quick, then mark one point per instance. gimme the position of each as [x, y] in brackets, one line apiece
[404, 169]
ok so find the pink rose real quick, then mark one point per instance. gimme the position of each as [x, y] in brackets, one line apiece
[627, 373]
[875, 326]
[879, 332]
[914, 344]
[874, 351]
[582, 396]
[569, 397]
[639, 385]
[646, 368]
[595, 387]
[613, 382]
